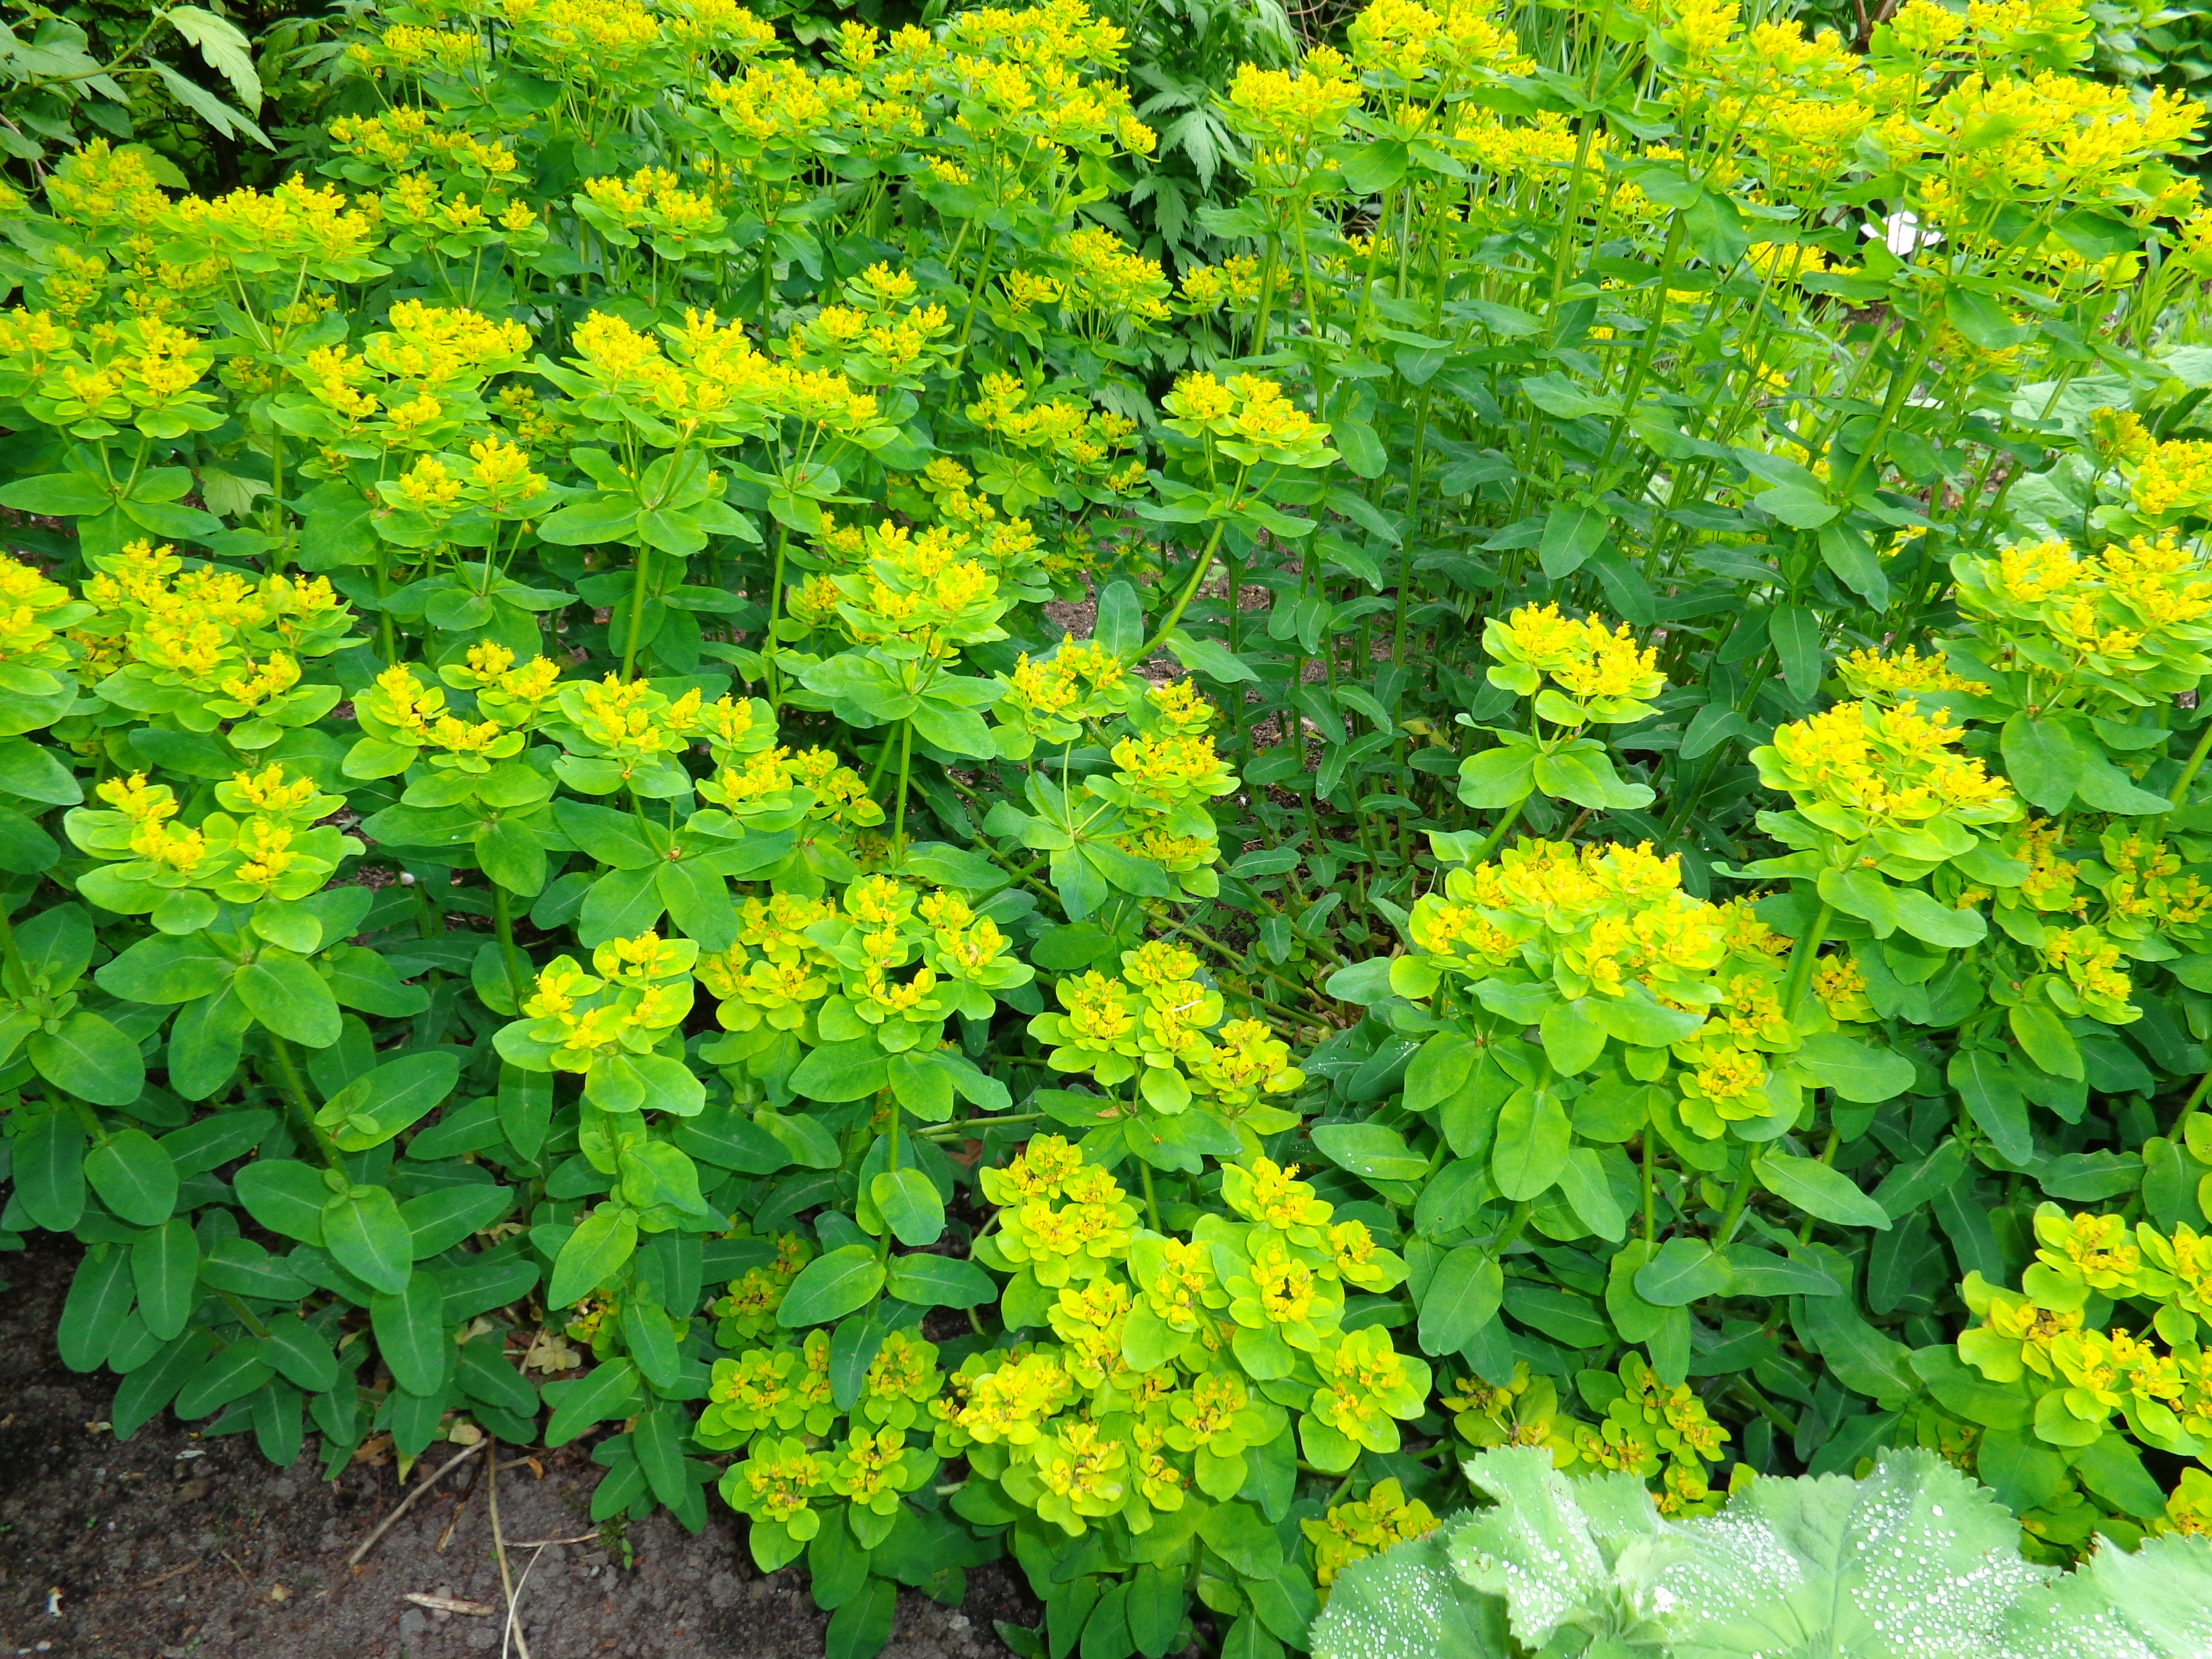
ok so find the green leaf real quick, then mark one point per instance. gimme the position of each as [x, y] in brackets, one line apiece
[1985, 1082]
[227, 52]
[1214, 660]
[655, 1173]
[1851, 556]
[89, 1057]
[937, 1281]
[831, 1286]
[1361, 983]
[1958, 1387]
[658, 1441]
[1531, 1147]
[438, 1220]
[364, 1233]
[1540, 1533]
[513, 857]
[1464, 1295]
[1584, 774]
[605, 1392]
[910, 1207]
[1589, 1195]
[2152, 1603]
[860, 1628]
[134, 1177]
[1832, 1565]
[363, 979]
[49, 1170]
[838, 1071]
[1819, 1190]
[1119, 622]
[184, 521]
[1374, 168]
[1685, 1270]
[286, 1196]
[58, 495]
[486, 1374]
[1372, 1149]
[228, 1374]
[410, 1334]
[163, 969]
[1938, 924]
[215, 1140]
[2042, 760]
[651, 1341]
[1409, 1601]
[1636, 1019]
[1240, 1535]
[921, 1085]
[52, 947]
[593, 1254]
[30, 771]
[289, 997]
[99, 1297]
[1572, 534]
[1856, 1071]
[1361, 447]
[373, 1107]
[1153, 1610]
[2043, 1038]
[301, 1353]
[1497, 778]
[1797, 636]
[1572, 1042]
[1798, 506]
[1863, 894]
[698, 903]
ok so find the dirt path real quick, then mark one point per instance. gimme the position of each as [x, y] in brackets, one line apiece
[170, 1545]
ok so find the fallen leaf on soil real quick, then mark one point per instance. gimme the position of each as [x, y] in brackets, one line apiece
[450, 1604]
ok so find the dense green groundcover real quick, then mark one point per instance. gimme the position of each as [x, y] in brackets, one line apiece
[1010, 791]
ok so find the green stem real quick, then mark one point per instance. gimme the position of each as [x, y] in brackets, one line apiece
[1500, 830]
[2196, 1097]
[906, 763]
[1152, 1203]
[1190, 592]
[503, 921]
[297, 1089]
[636, 608]
[1737, 1200]
[2180, 791]
[1515, 1225]
[386, 646]
[774, 612]
[246, 1316]
[958, 1131]
[1827, 1157]
[1800, 961]
[1650, 1204]
[891, 1167]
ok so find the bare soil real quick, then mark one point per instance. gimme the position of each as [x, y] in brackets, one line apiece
[169, 1544]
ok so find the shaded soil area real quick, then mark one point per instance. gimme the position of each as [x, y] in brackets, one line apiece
[169, 1544]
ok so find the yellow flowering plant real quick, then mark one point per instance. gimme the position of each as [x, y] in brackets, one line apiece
[1041, 786]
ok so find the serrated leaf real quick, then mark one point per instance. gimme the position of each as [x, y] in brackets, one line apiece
[1915, 1560]
[1408, 1601]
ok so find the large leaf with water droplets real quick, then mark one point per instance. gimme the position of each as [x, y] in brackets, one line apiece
[1550, 1545]
[1917, 1561]
[1408, 1602]
[2155, 1603]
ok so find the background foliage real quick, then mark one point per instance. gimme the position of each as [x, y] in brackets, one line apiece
[1071, 787]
